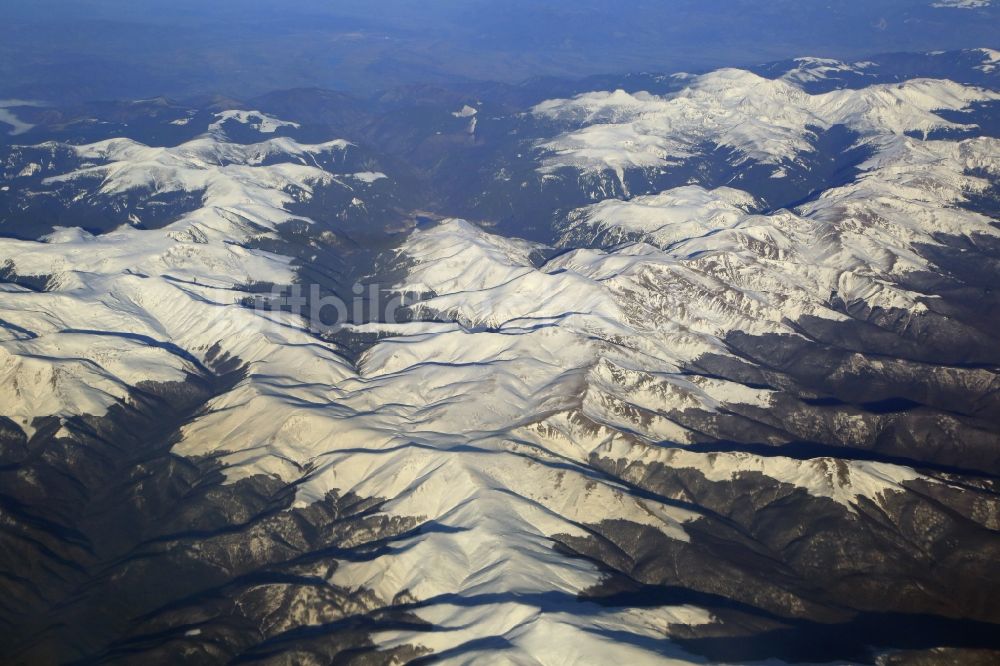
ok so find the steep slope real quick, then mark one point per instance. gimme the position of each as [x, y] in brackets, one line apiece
[694, 428]
[766, 121]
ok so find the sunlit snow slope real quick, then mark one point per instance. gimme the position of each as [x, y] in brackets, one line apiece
[692, 427]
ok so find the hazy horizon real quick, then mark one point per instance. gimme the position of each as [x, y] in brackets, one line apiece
[111, 49]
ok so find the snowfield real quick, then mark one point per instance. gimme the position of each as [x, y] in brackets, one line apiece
[535, 386]
[769, 121]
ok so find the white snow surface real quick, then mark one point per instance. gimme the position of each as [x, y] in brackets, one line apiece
[484, 422]
[962, 4]
[368, 176]
[991, 60]
[180, 284]
[465, 112]
[855, 240]
[764, 120]
[8, 117]
[426, 419]
[807, 70]
[262, 122]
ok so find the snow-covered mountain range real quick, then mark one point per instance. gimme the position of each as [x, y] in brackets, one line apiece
[687, 369]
